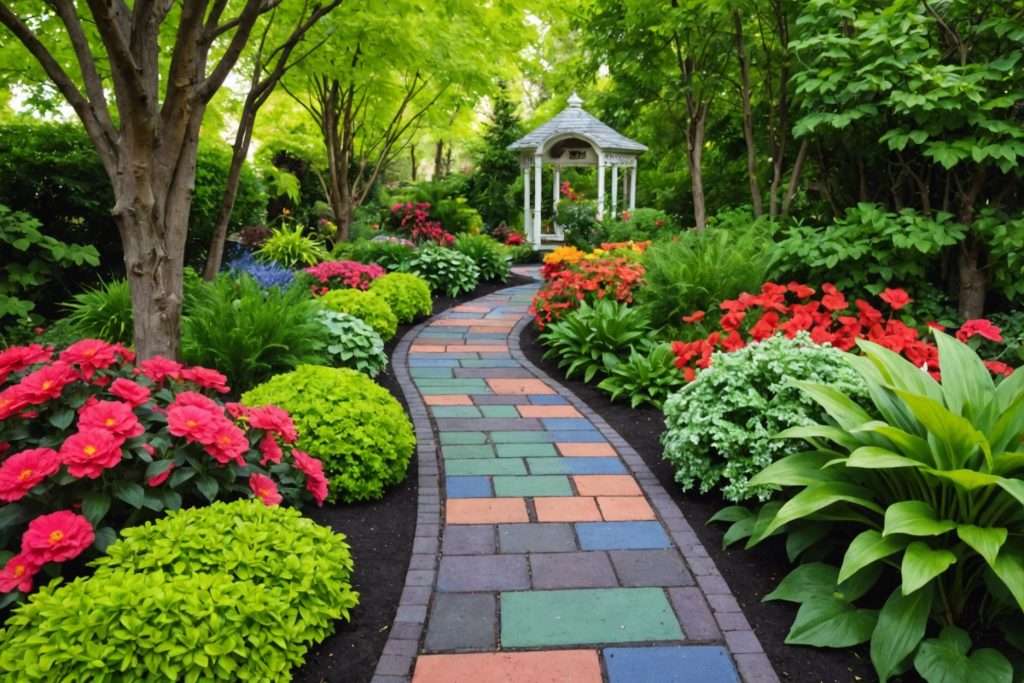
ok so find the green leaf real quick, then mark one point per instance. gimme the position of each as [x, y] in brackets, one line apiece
[966, 384]
[818, 496]
[868, 547]
[208, 486]
[62, 419]
[95, 506]
[157, 467]
[837, 404]
[921, 564]
[732, 513]
[830, 622]
[738, 531]
[901, 626]
[1009, 567]
[985, 541]
[915, 518]
[799, 469]
[872, 457]
[944, 660]
[806, 581]
[12, 514]
[129, 492]
[803, 536]
[104, 537]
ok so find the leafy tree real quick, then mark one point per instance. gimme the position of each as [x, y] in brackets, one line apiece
[497, 168]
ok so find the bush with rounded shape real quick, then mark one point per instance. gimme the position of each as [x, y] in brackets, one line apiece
[720, 427]
[356, 427]
[388, 252]
[368, 306]
[488, 254]
[353, 343]
[408, 295]
[640, 224]
[445, 270]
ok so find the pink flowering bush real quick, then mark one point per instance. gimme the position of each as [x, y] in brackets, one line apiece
[413, 219]
[90, 443]
[343, 274]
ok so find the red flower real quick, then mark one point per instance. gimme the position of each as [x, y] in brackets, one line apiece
[979, 328]
[514, 239]
[114, 416]
[896, 298]
[159, 368]
[191, 422]
[17, 358]
[46, 383]
[316, 482]
[869, 315]
[765, 327]
[57, 537]
[21, 472]
[130, 391]
[158, 479]
[696, 316]
[206, 378]
[998, 368]
[936, 326]
[226, 442]
[801, 291]
[89, 452]
[270, 449]
[18, 573]
[90, 355]
[274, 419]
[833, 299]
[264, 488]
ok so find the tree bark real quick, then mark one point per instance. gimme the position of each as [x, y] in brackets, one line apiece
[971, 257]
[694, 157]
[243, 137]
[794, 179]
[412, 162]
[748, 115]
[438, 160]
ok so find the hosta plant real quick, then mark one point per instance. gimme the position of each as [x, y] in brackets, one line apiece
[592, 337]
[353, 343]
[445, 270]
[490, 256]
[927, 482]
[643, 377]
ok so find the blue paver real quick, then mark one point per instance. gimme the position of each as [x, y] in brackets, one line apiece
[670, 664]
[622, 535]
[468, 487]
[548, 401]
[556, 424]
[577, 435]
[576, 466]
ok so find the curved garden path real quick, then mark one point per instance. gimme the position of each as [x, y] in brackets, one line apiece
[545, 549]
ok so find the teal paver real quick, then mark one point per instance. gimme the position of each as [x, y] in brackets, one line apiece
[455, 411]
[433, 373]
[462, 438]
[521, 437]
[532, 486]
[467, 452]
[446, 390]
[481, 467]
[526, 450]
[587, 616]
[468, 383]
[499, 411]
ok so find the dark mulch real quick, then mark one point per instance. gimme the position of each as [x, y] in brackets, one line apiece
[751, 573]
[381, 534]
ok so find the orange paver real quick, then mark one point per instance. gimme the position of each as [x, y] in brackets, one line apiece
[548, 411]
[551, 666]
[586, 450]
[490, 330]
[426, 348]
[625, 508]
[448, 400]
[519, 386]
[567, 509]
[606, 485]
[462, 322]
[486, 511]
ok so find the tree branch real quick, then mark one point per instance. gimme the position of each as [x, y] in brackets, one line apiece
[245, 21]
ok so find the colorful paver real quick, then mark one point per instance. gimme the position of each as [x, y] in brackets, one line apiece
[545, 550]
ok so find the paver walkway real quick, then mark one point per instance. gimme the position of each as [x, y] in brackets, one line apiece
[545, 549]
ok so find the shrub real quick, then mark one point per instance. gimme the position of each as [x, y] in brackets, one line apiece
[571, 277]
[931, 489]
[640, 225]
[104, 312]
[353, 343]
[522, 253]
[590, 338]
[250, 333]
[578, 220]
[266, 274]
[389, 253]
[369, 307]
[356, 427]
[445, 270]
[490, 257]
[122, 444]
[412, 219]
[408, 295]
[290, 248]
[342, 274]
[643, 378]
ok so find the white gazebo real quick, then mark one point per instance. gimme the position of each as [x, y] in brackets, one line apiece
[575, 138]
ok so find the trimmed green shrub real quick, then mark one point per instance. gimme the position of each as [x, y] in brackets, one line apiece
[720, 428]
[408, 295]
[290, 248]
[368, 306]
[643, 377]
[590, 338]
[353, 343]
[390, 254]
[359, 431]
[640, 225]
[445, 270]
[489, 255]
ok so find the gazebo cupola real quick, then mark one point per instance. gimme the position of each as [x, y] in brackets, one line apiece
[575, 138]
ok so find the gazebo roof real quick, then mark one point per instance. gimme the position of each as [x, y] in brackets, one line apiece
[573, 120]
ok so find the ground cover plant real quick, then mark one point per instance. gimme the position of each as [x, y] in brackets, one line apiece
[368, 306]
[353, 344]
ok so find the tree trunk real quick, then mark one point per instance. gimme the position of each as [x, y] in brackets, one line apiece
[412, 162]
[239, 152]
[748, 116]
[694, 158]
[971, 261]
[794, 180]
[438, 160]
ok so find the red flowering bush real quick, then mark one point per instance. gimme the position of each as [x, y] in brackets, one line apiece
[568, 282]
[413, 219]
[514, 239]
[89, 443]
[829, 318]
[343, 274]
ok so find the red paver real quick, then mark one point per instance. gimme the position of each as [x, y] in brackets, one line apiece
[426, 348]
[548, 411]
[566, 509]
[519, 386]
[462, 322]
[448, 400]
[606, 485]
[486, 511]
[625, 508]
[586, 450]
[551, 666]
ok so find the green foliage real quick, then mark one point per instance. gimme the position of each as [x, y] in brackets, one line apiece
[229, 592]
[720, 427]
[289, 247]
[643, 378]
[250, 333]
[390, 254]
[355, 427]
[368, 306]
[31, 261]
[640, 225]
[700, 269]
[578, 220]
[931, 489]
[591, 338]
[408, 295]
[491, 187]
[353, 343]
[487, 253]
[103, 312]
[1004, 236]
[445, 270]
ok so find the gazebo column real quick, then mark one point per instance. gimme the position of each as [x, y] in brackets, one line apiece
[556, 192]
[600, 186]
[527, 226]
[538, 166]
[632, 187]
[615, 191]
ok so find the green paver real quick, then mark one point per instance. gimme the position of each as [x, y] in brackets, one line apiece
[455, 411]
[468, 451]
[443, 391]
[481, 467]
[521, 437]
[587, 616]
[532, 486]
[428, 382]
[421, 373]
[526, 450]
[499, 411]
[461, 438]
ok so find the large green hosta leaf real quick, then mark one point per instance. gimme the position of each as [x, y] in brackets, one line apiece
[839, 406]
[984, 540]
[967, 384]
[921, 564]
[1009, 567]
[899, 372]
[874, 458]
[914, 518]
[869, 547]
[955, 438]
[826, 621]
[816, 497]
[799, 469]
[817, 579]
[901, 626]
[945, 660]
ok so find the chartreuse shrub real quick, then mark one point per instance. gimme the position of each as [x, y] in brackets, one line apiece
[445, 270]
[230, 592]
[643, 377]
[929, 483]
[591, 338]
[353, 343]
[356, 427]
[408, 295]
[489, 255]
[720, 427]
[368, 306]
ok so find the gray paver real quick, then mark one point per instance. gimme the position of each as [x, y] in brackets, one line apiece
[474, 573]
[462, 621]
[650, 568]
[572, 570]
[536, 538]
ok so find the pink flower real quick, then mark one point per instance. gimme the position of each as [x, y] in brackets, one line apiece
[89, 452]
[18, 573]
[264, 488]
[18, 358]
[196, 400]
[90, 355]
[270, 449]
[159, 368]
[46, 383]
[130, 391]
[57, 537]
[12, 400]
[316, 482]
[114, 416]
[191, 422]
[158, 479]
[206, 378]
[274, 419]
[227, 442]
[696, 316]
[21, 472]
